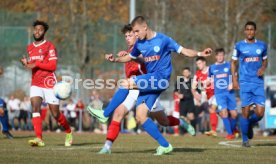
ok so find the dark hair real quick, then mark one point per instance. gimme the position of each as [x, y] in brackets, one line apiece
[186, 68]
[219, 50]
[201, 58]
[126, 28]
[44, 24]
[251, 23]
[139, 20]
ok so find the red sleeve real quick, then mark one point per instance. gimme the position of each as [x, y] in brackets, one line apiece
[52, 52]
[50, 66]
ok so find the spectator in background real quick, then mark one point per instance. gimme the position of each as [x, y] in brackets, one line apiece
[14, 110]
[184, 92]
[71, 108]
[25, 107]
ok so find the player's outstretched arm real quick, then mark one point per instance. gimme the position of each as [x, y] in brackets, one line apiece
[193, 53]
[234, 74]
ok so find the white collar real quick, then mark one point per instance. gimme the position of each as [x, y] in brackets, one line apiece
[37, 45]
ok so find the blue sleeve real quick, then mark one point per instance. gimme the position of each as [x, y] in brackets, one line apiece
[1, 103]
[173, 46]
[210, 74]
[264, 54]
[135, 52]
[236, 53]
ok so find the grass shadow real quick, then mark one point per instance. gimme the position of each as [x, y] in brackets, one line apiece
[153, 150]
[265, 144]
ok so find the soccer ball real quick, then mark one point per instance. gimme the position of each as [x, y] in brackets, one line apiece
[62, 90]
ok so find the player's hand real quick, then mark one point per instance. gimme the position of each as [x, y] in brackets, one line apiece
[30, 66]
[206, 52]
[261, 72]
[110, 57]
[180, 96]
[236, 85]
[122, 53]
[197, 97]
[24, 61]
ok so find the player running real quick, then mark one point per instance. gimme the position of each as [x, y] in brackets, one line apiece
[252, 56]
[220, 74]
[43, 61]
[4, 119]
[133, 68]
[200, 81]
[154, 49]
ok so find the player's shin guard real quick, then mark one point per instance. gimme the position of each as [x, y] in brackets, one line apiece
[227, 125]
[173, 121]
[5, 122]
[244, 122]
[214, 121]
[37, 123]
[150, 127]
[117, 99]
[63, 122]
[113, 131]
[254, 118]
[233, 123]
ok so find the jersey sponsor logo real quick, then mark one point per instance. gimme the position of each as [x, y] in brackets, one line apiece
[258, 51]
[52, 53]
[37, 57]
[143, 51]
[151, 58]
[156, 48]
[216, 70]
[222, 75]
[245, 52]
[226, 69]
[251, 59]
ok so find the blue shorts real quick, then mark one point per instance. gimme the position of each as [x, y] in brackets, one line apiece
[150, 85]
[252, 93]
[226, 101]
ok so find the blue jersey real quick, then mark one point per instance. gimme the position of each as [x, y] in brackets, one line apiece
[221, 74]
[3, 104]
[251, 56]
[157, 53]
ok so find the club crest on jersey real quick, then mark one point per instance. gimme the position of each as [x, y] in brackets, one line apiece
[225, 69]
[251, 59]
[40, 51]
[156, 48]
[258, 51]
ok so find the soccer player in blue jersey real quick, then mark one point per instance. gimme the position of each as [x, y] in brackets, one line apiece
[4, 119]
[220, 73]
[154, 50]
[252, 57]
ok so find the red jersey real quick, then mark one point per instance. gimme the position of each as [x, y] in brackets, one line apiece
[201, 77]
[44, 57]
[133, 68]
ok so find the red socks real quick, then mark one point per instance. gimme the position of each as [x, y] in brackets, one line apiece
[213, 121]
[63, 122]
[173, 121]
[113, 131]
[37, 123]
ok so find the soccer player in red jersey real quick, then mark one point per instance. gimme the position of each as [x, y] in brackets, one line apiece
[207, 91]
[133, 68]
[42, 61]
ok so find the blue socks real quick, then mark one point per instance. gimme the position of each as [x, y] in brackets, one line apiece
[117, 99]
[244, 122]
[254, 118]
[233, 123]
[151, 128]
[5, 122]
[227, 125]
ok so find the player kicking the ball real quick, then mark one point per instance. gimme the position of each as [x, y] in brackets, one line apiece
[133, 68]
[43, 61]
[154, 49]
